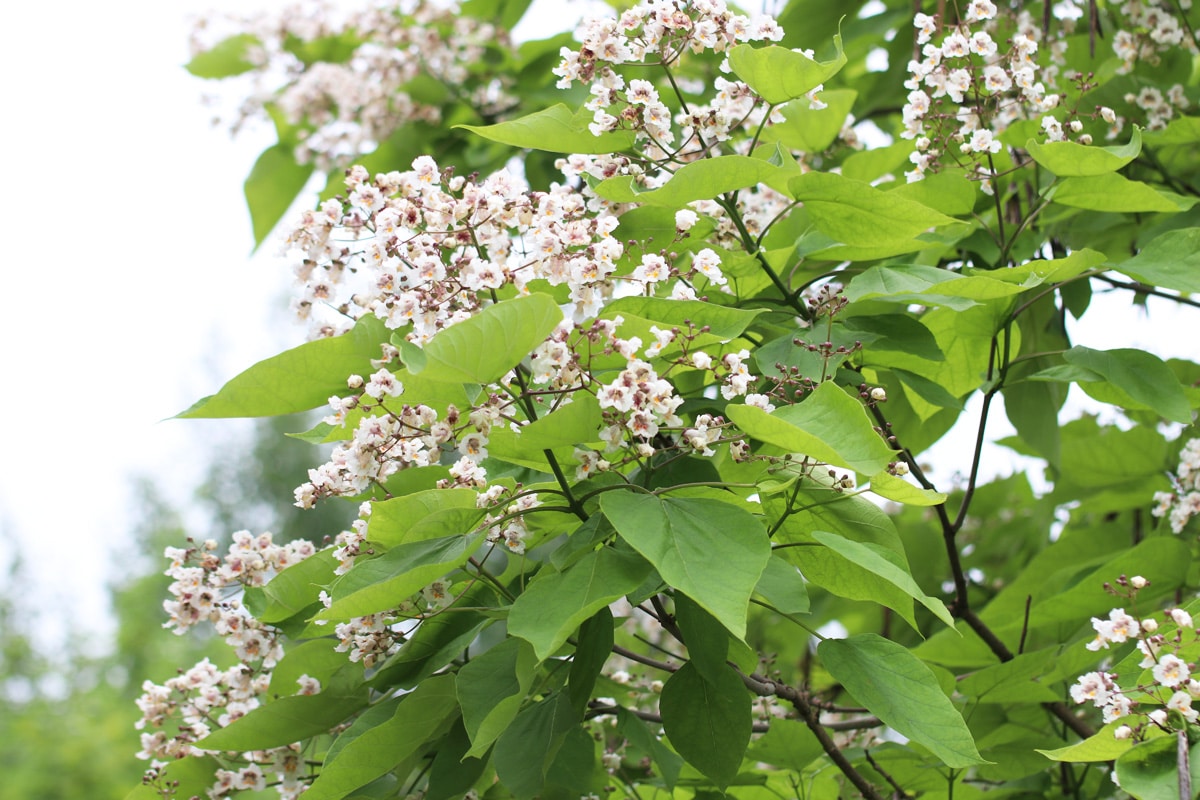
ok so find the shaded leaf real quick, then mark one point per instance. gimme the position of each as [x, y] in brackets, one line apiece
[1170, 261]
[491, 688]
[708, 722]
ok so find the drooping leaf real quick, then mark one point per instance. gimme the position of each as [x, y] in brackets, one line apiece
[298, 379]
[829, 426]
[272, 186]
[712, 551]
[708, 722]
[1138, 374]
[487, 345]
[1071, 159]
[639, 735]
[1101, 746]
[525, 751]
[419, 716]
[902, 691]
[491, 688]
[882, 562]
[782, 586]
[1170, 261]
[777, 74]
[555, 603]
[557, 130]
[592, 650]
[706, 639]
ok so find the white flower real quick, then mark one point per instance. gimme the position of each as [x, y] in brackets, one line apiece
[1170, 671]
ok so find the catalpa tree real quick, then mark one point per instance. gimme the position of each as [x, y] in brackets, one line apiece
[631, 343]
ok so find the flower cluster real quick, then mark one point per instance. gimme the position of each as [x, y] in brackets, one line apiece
[358, 91]
[1149, 29]
[1171, 686]
[1182, 504]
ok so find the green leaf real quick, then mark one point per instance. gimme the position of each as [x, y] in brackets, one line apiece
[828, 425]
[228, 57]
[592, 650]
[708, 722]
[638, 734]
[788, 744]
[286, 720]
[491, 688]
[556, 130]
[484, 347]
[415, 725]
[858, 214]
[811, 130]
[902, 691]
[885, 564]
[723, 322]
[296, 380]
[555, 603]
[894, 488]
[385, 582]
[428, 514]
[777, 74]
[1012, 681]
[705, 179]
[272, 186]
[577, 422]
[437, 641]
[1117, 193]
[710, 550]
[706, 639]
[1071, 159]
[524, 753]
[950, 192]
[295, 588]
[1150, 770]
[783, 587]
[1101, 746]
[1169, 261]
[453, 772]
[1138, 374]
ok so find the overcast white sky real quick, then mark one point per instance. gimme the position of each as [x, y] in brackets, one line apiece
[129, 292]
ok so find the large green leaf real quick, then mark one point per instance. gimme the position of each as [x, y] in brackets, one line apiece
[811, 130]
[557, 130]
[1150, 770]
[708, 722]
[902, 691]
[481, 349]
[415, 725]
[428, 514]
[1117, 193]
[705, 179]
[1071, 159]
[555, 603]
[783, 587]
[777, 74]
[1169, 261]
[294, 589]
[891, 487]
[385, 582]
[829, 426]
[1141, 376]
[491, 688]
[858, 214]
[712, 551]
[638, 735]
[885, 564]
[592, 649]
[298, 379]
[1101, 746]
[272, 186]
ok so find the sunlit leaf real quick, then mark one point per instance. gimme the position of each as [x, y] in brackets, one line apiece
[1071, 159]
[557, 130]
[778, 74]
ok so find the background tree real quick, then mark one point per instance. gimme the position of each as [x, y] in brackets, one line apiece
[636, 432]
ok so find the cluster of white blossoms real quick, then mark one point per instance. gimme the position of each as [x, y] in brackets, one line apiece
[1170, 688]
[1182, 504]
[966, 89]
[1150, 28]
[343, 78]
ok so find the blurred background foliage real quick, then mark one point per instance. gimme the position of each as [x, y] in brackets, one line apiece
[66, 696]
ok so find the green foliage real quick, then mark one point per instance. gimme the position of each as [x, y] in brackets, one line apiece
[665, 418]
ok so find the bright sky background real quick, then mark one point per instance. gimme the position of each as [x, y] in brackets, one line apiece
[130, 291]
